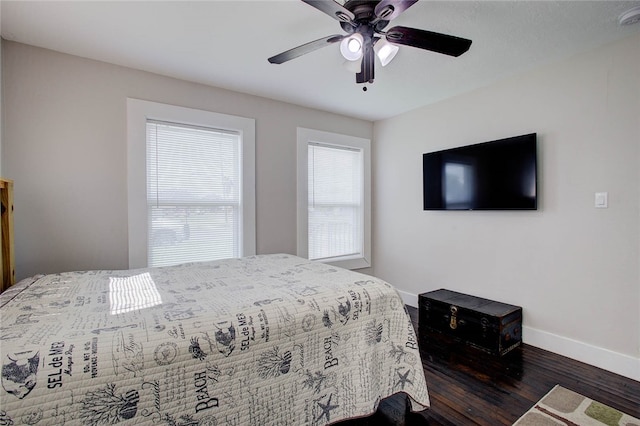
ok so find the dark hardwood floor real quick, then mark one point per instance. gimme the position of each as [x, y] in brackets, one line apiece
[468, 387]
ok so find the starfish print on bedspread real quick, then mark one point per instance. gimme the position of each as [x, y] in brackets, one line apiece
[404, 379]
[326, 409]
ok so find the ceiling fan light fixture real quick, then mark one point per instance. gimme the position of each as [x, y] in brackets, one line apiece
[353, 67]
[351, 47]
[385, 51]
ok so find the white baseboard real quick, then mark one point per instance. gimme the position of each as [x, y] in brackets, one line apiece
[408, 298]
[615, 362]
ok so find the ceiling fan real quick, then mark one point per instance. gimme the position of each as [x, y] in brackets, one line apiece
[364, 22]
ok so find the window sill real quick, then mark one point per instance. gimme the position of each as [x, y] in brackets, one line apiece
[348, 263]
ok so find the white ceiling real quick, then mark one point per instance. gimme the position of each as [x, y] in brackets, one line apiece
[227, 43]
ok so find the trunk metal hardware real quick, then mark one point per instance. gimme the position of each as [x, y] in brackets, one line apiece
[453, 322]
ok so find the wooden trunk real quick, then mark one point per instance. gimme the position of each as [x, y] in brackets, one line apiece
[490, 326]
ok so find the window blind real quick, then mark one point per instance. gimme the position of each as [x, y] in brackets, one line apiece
[194, 200]
[335, 194]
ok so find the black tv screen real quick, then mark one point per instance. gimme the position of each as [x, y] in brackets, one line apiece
[496, 175]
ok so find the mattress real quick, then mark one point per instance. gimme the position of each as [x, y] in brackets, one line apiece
[263, 340]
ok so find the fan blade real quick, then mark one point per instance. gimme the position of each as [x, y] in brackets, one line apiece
[389, 9]
[436, 42]
[305, 48]
[333, 9]
[368, 61]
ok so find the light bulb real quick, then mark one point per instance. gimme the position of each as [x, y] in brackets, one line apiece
[351, 47]
[354, 45]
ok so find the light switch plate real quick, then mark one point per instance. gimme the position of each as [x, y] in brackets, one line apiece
[602, 200]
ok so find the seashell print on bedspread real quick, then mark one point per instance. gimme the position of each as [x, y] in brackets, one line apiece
[263, 340]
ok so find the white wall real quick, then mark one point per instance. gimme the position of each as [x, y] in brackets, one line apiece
[573, 268]
[65, 148]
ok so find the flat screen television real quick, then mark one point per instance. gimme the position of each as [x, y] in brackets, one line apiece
[495, 175]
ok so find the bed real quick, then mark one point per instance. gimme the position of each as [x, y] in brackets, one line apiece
[263, 340]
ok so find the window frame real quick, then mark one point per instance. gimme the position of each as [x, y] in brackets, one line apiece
[138, 111]
[304, 138]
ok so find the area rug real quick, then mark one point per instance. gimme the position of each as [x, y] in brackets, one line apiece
[564, 407]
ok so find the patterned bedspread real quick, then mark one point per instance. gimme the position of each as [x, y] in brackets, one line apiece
[264, 340]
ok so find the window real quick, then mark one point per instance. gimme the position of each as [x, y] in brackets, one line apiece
[334, 198]
[191, 185]
[193, 193]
